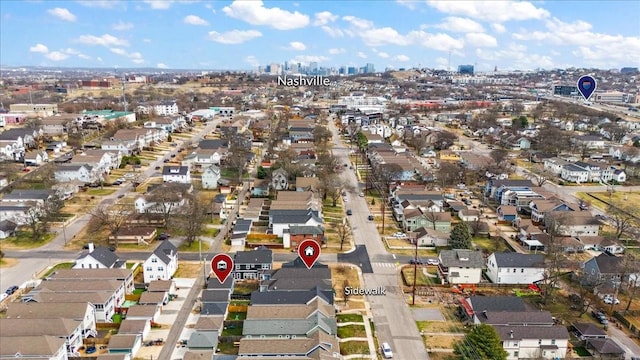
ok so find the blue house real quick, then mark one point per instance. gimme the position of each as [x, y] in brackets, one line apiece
[507, 213]
[260, 188]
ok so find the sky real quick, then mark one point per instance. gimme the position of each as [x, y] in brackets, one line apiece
[163, 34]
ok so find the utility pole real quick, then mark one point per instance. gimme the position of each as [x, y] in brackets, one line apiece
[64, 231]
[415, 273]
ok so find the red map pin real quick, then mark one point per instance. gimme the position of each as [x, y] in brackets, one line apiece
[309, 252]
[222, 265]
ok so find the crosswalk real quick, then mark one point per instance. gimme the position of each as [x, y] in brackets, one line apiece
[383, 265]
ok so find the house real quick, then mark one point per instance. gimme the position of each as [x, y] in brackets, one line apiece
[122, 276]
[27, 196]
[98, 258]
[252, 264]
[73, 172]
[203, 340]
[468, 215]
[507, 213]
[7, 228]
[608, 269]
[36, 347]
[67, 329]
[153, 298]
[35, 158]
[127, 344]
[473, 308]
[534, 342]
[539, 207]
[143, 312]
[164, 198]
[85, 313]
[316, 346]
[576, 224]
[179, 174]
[437, 220]
[279, 179]
[588, 331]
[307, 183]
[210, 177]
[619, 175]
[135, 327]
[296, 234]
[104, 302]
[240, 231]
[426, 236]
[162, 263]
[605, 349]
[20, 213]
[461, 266]
[515, 268]
[260, 188]
[279, 220]
[289, 328]
[215, 302]
[294, 276]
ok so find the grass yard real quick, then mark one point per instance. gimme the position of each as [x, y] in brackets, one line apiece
[227, 348]
[64, 265]
[440, 341]
[354, 347]
[581, 351]
[100, 192]
[234, 329]
[6, 263]
[438, 326]
[489, 245]
[421, 278]
[194, 246]
[351, 331]
[442, 356]
[342, 276]
[22, 240]
[342, 318]
[188, 269]
[237, 316]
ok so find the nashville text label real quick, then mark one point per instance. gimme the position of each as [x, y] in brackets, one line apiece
[303, 81]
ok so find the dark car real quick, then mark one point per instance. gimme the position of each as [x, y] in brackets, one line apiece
[349, 212]
[416, 262]
[85, 247]
[370, 218]
[157, 167]
[11, 290]
[163, 236]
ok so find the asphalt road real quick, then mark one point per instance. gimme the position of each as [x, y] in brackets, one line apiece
[391, 315]
[32, 263]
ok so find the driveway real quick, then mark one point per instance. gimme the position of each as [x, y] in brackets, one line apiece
[427, 314]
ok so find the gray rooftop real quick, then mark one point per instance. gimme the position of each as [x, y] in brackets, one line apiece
[103, 255]
[516, 317]
[461, 258]
[532, 332]
[299, 327]
[517, 260]
[295, 297]
[258, 256]
[496, 303]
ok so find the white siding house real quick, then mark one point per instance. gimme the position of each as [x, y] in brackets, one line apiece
[210, 177]
[162, 263]
[71, 172]
[515, 268]
[534, 342]
[179, 174]
[461, 266]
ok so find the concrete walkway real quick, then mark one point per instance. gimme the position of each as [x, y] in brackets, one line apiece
[350, 323]
[353, 339]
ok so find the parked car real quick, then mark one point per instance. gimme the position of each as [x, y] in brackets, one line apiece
[370, 218]
[163, 236]
[434, 262]
[601, 316]
[349, 212]
[157, 167]
[416, 262]
[400, 235]
[361, 194]
[609, 299]
[386, 350]
[11, 290]
[3, 296]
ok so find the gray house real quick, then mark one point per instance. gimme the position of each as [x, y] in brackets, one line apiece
[608, 268]
[252, 264]
[289, 328]
[215, 302]
[210, 177]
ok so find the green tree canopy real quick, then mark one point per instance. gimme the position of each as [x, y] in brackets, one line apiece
[460, 237]
[481, 343]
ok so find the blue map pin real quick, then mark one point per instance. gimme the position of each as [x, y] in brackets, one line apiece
[586, 86]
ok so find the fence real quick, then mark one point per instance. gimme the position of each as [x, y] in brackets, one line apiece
[624, 321]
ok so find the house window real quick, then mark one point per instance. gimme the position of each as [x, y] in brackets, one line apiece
[553, 341]
[539, 341]
[521, 270]
[515, 344]
[160, 268]
[149, 268]
[154, 260]
[515, 354]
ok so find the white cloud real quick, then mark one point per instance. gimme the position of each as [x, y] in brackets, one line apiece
[62, 14]
[333, 32]
[99, 59]
[70, 51]
[195, 20]
[104, 40]
[159, 4]
[442, 63]
[518, 57]
[336, 51]
[324, 17]
[297, 45]
[461, 25]
[481, 40]
[358, 23]
[39, 48]
[234, 36]
[410, 4]
[251, 60]
[103, 4]
[496, 11]
[255, 13]
[162, 66]
[383, 55]
[362, 55]
[402, 58]
[146, 40]
[135, 57]
[122, 26]
[306, 59]
[440, 41]
[499, 28]
[56, 56]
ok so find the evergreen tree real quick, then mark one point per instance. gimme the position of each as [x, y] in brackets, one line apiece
[481, 343]
[460, 237]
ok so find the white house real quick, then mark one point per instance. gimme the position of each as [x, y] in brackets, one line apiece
[74, 172]
[144, 205]
[36, 158]
[534, 342]
[555, 165]
[162, 263]
[210, 177]
[461, 266]
[21, 213]
[98, 258]
[279, 179]
[283, 219]
[515, 268]
[179, 174]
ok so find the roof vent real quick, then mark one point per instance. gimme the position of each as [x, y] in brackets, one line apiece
[511, 334]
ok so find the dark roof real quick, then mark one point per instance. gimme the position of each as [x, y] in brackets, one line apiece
[305, 230]
[608, 264]
[164, 250]
[6, 225]
[462, 258]
[213, 144]
[513, 259]
[295, 297]
[215, 295]
[259, 256]
[589, 329]
[496, 303]
[532, 332]
[605, 346]
[175, 170]
[213, 283]
[530, 318]
[214, 308]
[103, 255]
[298, 263]
[242, 225]
[506, 182]
[26, 194]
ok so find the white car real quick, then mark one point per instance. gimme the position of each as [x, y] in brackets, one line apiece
[435, 262]
[386, 351]
[610, 300]
[361, 194]
[3, 296]
[400, 235]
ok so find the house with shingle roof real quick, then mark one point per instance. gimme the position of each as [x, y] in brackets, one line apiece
[608, 268]
[317, 346]
[33, 347]
[534, 342]
[135, 327]
[120, 343]
[515, 268]
[604, 349]
[162, 263]
[252, 264]
[98, 258]
[461, 266]
[68, 329]
[289, 328]
[85, 313]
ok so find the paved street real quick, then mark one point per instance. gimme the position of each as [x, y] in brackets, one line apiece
[391, 315]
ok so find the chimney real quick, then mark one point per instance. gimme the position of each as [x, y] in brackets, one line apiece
[484, 312]
[510, 334]
[91, 247]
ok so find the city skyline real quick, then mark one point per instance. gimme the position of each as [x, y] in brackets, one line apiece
[245, 35]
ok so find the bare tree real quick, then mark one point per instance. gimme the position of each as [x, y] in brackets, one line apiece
[112, 218]
[499, 156]
[238, 154]
[588, 286]
[39, 217]
[554, 221]
[166, 200]
[449, 173]
[432, 217]
[622, 216]
[631, 282]
[191, 218]
[343, 229]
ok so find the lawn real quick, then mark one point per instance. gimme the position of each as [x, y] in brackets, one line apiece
[227, 348]
[490, 245]
[351, 331]
[421, 279]
[581, 351]
[232, 329]
[349, 318]
[22, 240]
[116, 318]
[194, 246]
[245, 289]
[438, 326]
[210, 232]
[100, 192]
[64, 265]
[441, 341]
[188, 269]
[354, 347]
[239, 316]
